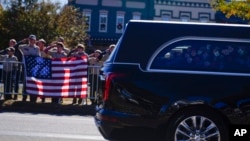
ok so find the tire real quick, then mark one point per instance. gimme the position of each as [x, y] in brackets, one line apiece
[197, 124]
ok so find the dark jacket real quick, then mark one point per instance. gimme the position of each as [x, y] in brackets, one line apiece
[18, 53]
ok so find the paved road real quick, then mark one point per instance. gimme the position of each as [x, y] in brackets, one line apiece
[45, 127]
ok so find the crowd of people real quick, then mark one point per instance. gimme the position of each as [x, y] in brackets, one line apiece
[57, 49]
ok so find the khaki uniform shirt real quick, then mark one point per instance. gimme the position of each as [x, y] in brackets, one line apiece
[66, 50]
[94, 65]
[105, 57]
[79, 54]
[44, 55]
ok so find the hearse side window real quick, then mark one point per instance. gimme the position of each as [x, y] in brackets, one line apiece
[203, 55]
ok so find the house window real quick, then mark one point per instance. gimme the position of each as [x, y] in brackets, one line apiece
[119, 23]
[87, 17]
[165, 17]
[103, 20]
[204, 19]
[185, 18]
[136, 16]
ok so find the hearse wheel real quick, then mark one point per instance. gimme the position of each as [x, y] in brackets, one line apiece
[197, 124]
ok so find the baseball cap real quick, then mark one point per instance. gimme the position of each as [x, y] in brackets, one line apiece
[32, 37]
[42, 40]
[61, 44]
[11, 49]
[112, 46]
[60, 39]
[13, 40]
[98, 51]
[81, 46]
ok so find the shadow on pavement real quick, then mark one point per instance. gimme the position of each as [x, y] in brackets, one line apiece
[46, 108]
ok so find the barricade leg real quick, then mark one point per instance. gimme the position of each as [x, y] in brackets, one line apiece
[16, 81]
[7, 85]
[93, 82]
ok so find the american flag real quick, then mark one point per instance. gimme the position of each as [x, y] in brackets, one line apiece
[64, 77]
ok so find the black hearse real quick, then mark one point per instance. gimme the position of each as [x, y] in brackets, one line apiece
[187, 81]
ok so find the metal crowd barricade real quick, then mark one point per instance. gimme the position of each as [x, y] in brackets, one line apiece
[15, 79]
[11, 78]
[93, 82]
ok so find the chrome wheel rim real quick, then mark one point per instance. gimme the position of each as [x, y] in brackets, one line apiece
[197, 128]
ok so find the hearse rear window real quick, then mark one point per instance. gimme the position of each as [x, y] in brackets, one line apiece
[204, 55]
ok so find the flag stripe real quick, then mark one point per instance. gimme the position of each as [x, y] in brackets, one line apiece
[64, 77]
[66, 95]
[68, 61]
[68, 74]
[55, 84]
[81, 71]
[56, 90]
[68, 65]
